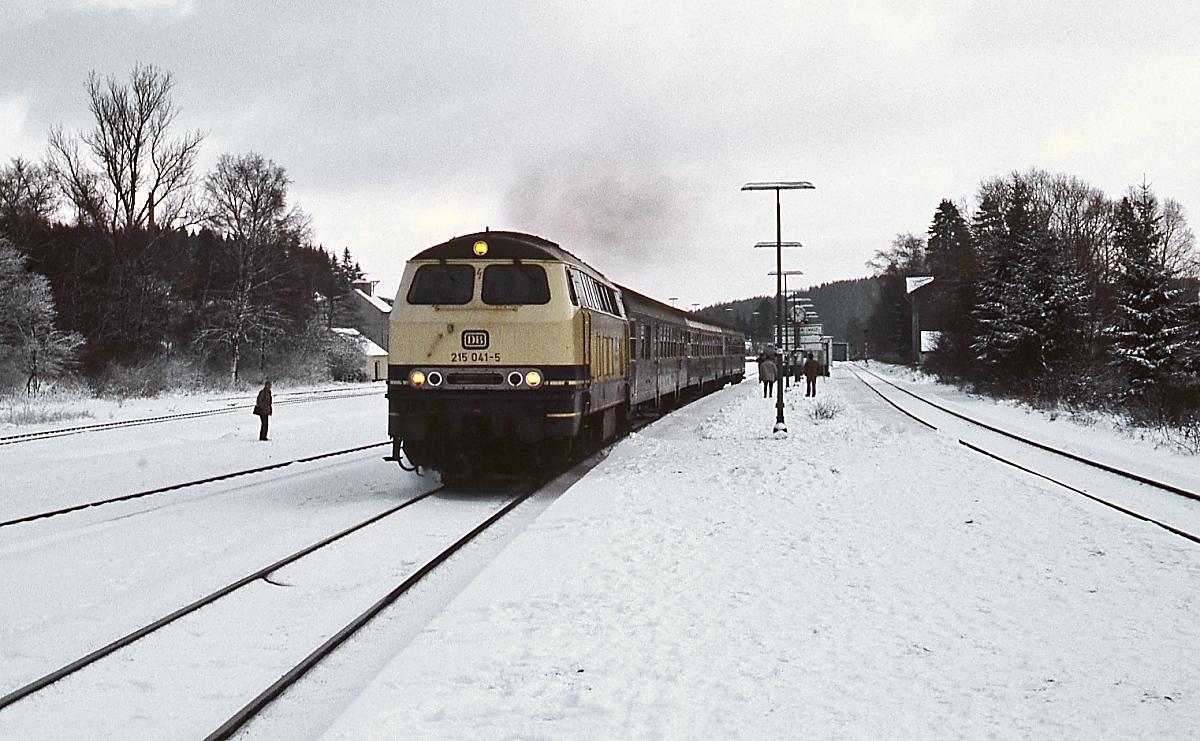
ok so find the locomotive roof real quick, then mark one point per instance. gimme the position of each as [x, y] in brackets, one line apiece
[502, 246]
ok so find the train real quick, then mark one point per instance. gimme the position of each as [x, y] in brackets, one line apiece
[507, 350]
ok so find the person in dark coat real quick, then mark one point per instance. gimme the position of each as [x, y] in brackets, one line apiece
[262, 407]
[767, 371]
[812, 369]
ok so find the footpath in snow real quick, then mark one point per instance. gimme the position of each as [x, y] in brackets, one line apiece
[862, 578]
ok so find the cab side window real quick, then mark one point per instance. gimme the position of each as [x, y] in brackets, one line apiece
[442, 284]
[515, 284]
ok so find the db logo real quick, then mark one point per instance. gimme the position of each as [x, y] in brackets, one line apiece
[475, 339]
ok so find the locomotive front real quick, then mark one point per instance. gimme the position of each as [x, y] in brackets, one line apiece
[485, 363]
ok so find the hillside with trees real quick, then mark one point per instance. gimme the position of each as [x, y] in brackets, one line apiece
[123, 262]
[846, 310]
[1044, 289]
[1049, 290]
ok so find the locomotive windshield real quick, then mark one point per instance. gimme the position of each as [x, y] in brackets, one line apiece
[515, 284]
[442, 284]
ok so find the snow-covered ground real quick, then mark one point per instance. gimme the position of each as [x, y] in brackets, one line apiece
[861, 578]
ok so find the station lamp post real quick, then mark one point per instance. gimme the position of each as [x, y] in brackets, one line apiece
[780, 425]
[786, 310]
[778, 246]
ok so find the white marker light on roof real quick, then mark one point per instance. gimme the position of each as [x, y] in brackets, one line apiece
[480, 248]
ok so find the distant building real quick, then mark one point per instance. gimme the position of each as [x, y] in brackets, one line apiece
[370, 312]
[374, 357]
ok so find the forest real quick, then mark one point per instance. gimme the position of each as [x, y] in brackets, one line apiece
[1045, 290]
[1051, 291]
[123, 265]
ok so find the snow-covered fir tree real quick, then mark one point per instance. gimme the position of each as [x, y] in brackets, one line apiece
[1150, 330]
[952, 261]
[1031, 313]
[1006, 342]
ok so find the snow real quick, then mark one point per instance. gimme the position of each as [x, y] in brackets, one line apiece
[369, 348]
[382, 306]
[862, 577]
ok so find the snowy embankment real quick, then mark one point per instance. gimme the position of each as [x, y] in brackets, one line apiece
[861, 578]
[56, 472]
[56, 410]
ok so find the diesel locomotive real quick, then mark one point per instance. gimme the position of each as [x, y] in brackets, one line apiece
[507, 350]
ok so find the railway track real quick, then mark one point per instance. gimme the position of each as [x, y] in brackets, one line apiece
[513, 495]
[184, 485]
[256, 705]
[262, 573]
[133, 640]
[911, 410]
[281, 399]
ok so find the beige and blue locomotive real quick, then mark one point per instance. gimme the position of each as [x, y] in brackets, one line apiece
[505, 348]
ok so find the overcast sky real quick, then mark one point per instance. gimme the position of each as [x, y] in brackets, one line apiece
[624, 130]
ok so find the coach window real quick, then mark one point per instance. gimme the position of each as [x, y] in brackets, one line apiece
[593, 296]
[571, 287]
[608, 300]
[515, 284]
[442, 284]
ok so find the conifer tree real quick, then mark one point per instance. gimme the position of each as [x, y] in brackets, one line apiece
[1004, 304]
[954, 265]
[1032, 311]
[1149, 333]
[342, 311]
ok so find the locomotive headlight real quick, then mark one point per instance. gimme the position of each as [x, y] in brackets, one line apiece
[533, 378]
[480, 248]
[416, 378]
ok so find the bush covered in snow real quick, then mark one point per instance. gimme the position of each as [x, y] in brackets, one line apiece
[824, 409]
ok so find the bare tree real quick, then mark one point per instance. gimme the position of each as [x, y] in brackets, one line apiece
[129, 172]
[27, 197]
[246, 203]
[906, 256]
[131, 180]
[1177, 250]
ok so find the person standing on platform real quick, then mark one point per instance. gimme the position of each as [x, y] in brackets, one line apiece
[768, 371]
[812, 369]
[262, 407]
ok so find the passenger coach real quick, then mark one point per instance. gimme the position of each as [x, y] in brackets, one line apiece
[505, 347]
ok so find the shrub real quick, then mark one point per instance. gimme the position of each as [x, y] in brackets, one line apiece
[152, 377]
[824, 410]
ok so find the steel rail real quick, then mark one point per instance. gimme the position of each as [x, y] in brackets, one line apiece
[197, 482]
[255, 706]
[899, 408]
[231, 726]
[267, 696]
[74, 666]
[1007, 461]
[1089, 495]
[1048, 448]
